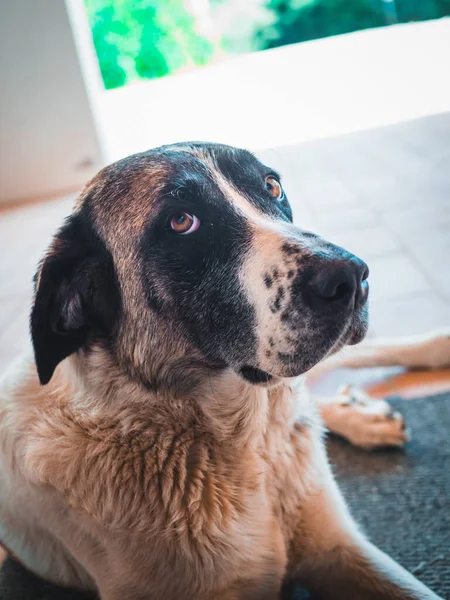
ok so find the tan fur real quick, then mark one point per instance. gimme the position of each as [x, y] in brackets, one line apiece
[229, 489]
[193, 480]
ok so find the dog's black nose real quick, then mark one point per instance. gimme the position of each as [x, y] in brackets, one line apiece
[339, 281]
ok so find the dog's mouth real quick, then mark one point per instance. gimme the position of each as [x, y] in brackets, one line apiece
[255, 376]
[353, 333]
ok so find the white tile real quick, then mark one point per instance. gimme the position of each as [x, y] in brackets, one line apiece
[367, 242]
[395, 276]
[409, 315]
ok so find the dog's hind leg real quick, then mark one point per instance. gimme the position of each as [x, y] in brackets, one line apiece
[427, 351]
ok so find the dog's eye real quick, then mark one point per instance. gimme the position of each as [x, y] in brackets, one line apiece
[184, 223]
[274, 188]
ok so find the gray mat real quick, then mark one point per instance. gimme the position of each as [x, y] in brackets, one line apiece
[401, 499]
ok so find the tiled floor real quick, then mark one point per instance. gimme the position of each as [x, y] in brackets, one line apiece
[383, 194]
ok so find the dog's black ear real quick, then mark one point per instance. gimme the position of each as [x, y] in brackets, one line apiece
[76, 295]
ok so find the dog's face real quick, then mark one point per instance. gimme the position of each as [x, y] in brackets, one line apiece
[189, 251]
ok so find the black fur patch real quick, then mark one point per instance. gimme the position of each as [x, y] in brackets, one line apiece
[77, 296]
[268, 281]
[200, 271]
[290, 249]
[286, 359]
[275, 307]
[287, 316]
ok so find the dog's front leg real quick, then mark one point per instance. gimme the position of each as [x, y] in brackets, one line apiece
[330, 557]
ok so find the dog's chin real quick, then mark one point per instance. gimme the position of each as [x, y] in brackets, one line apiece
[297, 366]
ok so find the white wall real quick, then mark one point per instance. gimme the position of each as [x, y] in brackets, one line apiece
[48, 143]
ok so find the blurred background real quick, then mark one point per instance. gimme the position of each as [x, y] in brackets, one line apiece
[349, 99]
[147, 39]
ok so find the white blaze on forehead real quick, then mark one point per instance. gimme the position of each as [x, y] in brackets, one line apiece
[235, 197]
[263, 223]
[232, 193]
[239, 200]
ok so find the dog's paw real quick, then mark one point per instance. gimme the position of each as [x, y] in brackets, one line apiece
[364, 421]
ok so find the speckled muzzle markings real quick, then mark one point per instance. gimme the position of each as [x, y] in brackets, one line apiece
[308, 295]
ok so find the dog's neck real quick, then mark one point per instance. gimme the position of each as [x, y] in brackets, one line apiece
[245, 412]
[226, 405]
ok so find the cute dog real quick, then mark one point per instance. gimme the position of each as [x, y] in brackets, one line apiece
[162, 445]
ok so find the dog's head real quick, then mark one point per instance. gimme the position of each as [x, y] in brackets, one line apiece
[184, 258]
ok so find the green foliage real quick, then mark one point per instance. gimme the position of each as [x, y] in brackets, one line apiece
[168, 40]
[152, 38]
[420, 10]
[103, 34]
[301, 20]
[144, 39]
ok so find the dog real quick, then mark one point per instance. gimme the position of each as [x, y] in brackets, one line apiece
[161, 443]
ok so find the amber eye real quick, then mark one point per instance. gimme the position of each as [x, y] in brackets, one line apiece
[184, 223]
[274, 188]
